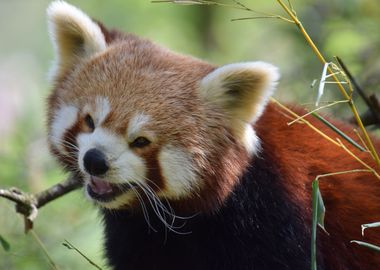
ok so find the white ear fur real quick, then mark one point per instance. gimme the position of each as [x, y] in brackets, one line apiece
[241, 91]
[74, 35]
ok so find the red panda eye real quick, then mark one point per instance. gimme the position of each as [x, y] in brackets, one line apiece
[140, 142]
[89, 122]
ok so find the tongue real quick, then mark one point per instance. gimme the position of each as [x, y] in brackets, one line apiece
[100, 186]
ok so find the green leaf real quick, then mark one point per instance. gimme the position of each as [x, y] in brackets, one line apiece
[322, 83]
[369, 225]
[337, 130]
[4, 243]
[321, 210]
[367, 245]
[318, 210]
[314, 225]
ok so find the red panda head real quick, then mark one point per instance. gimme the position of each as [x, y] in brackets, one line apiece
[131, 117]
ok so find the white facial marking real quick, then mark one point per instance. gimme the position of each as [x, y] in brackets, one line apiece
[102, 108]
[111, 145]
[178, 171]
[125, 166]
[100, 111]
[64, 118]
[119, 201]
[136, 123]
[130, 168]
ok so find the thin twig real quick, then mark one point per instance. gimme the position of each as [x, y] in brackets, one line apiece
[342, 172]
[362, 141]
[358, 159]
[291, 6]
[315, 110]
[305, 122]
[263, 17]
[44, 249]
[238, 5]
[71, 246]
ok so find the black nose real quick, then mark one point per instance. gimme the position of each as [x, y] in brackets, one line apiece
[95, 162]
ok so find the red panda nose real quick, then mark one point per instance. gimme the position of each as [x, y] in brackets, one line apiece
[95, 162]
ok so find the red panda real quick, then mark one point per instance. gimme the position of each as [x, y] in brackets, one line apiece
[191, 165]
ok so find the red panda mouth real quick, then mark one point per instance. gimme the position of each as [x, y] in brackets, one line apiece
[101, 190]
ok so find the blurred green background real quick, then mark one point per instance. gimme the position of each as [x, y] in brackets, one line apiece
[347, 28]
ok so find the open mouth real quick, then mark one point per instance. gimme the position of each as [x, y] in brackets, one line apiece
[101, 190]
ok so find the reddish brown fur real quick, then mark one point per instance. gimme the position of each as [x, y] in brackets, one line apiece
[350, 199]
[168, 79]
[154, 170]
[159, 76]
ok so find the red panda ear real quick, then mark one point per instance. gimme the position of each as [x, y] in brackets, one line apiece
[241, 90]
[74, 35]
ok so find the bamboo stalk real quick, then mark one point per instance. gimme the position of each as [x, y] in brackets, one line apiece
[340, 86]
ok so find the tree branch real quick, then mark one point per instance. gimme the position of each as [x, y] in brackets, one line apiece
[372, 115]
[27, 204]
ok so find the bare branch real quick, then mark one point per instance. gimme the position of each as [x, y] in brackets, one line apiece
[27, 204]
[372, 116]
[58, 190]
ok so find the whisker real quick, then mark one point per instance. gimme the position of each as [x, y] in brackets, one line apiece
[66, 143]
[158, 206]
[166, 200]
[144, 209]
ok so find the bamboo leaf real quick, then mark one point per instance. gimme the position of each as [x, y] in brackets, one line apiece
[5, 244]
[337, 130]
[367, 245]
[322, 82]
[369, 225]
[314, 225]
[321, 210]
[318, 212]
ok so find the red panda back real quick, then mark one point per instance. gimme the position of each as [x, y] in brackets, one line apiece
[351, 199]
